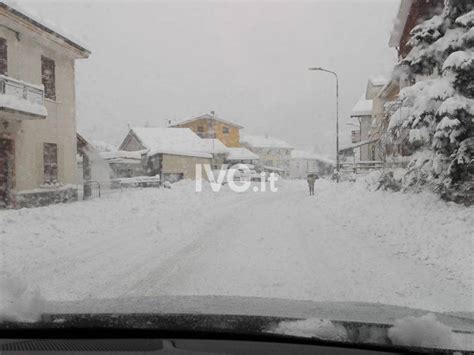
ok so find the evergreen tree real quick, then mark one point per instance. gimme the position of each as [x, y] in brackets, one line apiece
[434, 118]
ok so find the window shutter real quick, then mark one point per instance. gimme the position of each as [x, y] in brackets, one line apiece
[3, 56]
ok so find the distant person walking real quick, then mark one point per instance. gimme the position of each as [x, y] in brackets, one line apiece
[311, 180]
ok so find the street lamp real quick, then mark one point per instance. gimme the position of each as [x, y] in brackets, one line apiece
[337, 115]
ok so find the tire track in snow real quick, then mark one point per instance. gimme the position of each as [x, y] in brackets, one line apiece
[155, 281]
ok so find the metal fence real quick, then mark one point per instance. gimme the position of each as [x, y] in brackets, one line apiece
[361, 166]
[91, 189]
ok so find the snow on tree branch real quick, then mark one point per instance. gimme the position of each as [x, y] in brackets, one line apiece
[436, 114]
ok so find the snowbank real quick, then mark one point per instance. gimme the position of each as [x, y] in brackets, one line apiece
[424, 331]
[417, 225]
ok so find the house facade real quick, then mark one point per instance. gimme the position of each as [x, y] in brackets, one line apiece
[380, 122]
[212, 126]
[171, 153]
[274, 154]
[37, 112]
[92, 169]
[366, 147]
[410, 14]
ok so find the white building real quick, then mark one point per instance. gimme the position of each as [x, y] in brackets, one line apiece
[274, 154]
[303, 163]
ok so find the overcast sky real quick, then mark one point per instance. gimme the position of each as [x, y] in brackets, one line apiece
[152, 61]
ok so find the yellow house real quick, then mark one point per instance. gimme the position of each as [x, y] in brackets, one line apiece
[37, 111]
[212, 126]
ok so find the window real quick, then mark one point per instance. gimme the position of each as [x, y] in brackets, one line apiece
[48, 77]
[50, 161]
[225, 130]
[200, 131]
[3, 56]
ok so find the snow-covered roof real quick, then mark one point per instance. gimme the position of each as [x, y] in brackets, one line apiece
[118, 154]
[399, 23]
[388, 89]
[264, 142]
[122, 156]
[175, 141]
[302, 154]
[213, 145]
[206, 116]
[363, 107]
[241, 154]
[84, 145]
[102, 146]
[378, 80]
[25, 14]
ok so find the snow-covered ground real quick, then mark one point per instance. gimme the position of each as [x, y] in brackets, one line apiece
[347, 243]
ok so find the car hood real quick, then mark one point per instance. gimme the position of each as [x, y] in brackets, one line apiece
[255, 306]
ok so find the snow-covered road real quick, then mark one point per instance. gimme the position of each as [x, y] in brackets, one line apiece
[344, 244]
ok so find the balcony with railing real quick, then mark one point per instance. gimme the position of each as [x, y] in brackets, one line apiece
[20, 100]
